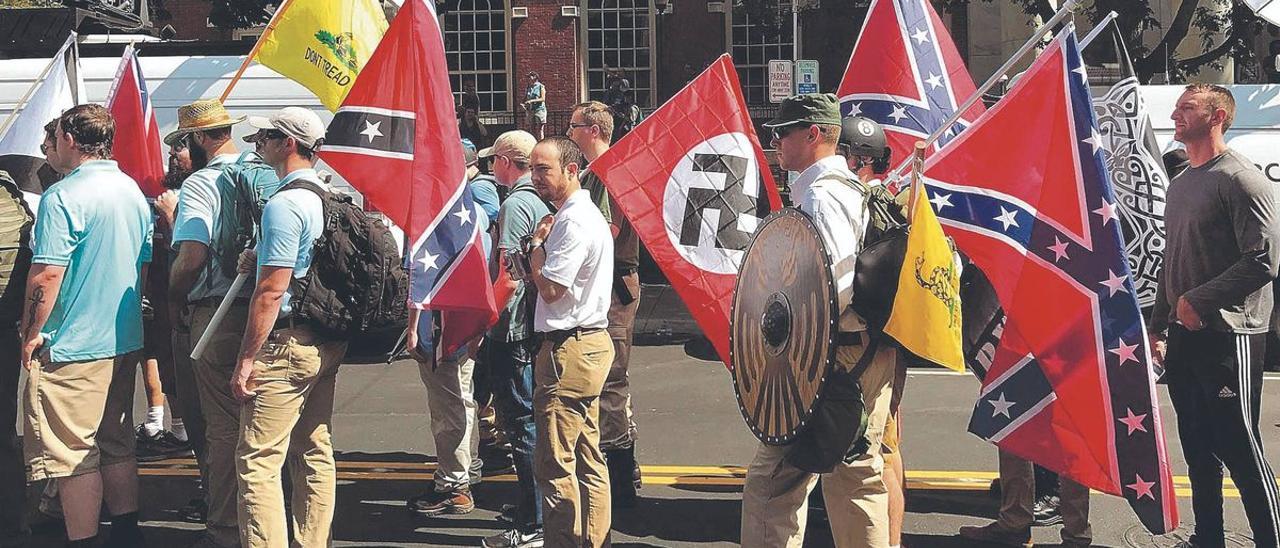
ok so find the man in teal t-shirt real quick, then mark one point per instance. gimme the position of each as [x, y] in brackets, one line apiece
[81, 325]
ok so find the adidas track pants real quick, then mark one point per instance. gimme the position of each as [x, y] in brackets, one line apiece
[1215, 382]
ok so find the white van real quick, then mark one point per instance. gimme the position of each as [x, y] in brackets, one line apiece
[176, 81]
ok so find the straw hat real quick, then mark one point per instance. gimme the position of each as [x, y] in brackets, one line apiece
[199, 116]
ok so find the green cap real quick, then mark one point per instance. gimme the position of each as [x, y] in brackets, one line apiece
[809, 108]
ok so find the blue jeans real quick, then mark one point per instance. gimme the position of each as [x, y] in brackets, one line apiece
[511, 377]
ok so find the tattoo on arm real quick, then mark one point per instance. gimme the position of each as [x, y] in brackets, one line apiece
[37, 298]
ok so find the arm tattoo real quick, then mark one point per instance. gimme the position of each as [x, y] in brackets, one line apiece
[37, 298]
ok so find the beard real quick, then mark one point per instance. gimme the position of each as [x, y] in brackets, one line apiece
[174, 177]
[199, 158]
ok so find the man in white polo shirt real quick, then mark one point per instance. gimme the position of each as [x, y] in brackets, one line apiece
[572, 267]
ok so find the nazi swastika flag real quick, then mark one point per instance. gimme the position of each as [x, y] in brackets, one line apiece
[693, 180]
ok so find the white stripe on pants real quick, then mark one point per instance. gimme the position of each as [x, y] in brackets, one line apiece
[453, 419]
[1244, 360]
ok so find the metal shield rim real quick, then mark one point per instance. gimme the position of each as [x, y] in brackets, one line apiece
[831, 349]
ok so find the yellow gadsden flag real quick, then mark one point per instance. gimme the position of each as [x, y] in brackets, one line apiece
[323, 44]
[926, 311]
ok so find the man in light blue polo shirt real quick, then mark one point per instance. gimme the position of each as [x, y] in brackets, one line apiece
[198, 281]
[285, 373]
[82, 323]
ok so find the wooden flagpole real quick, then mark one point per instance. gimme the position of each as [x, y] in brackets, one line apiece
[271, 26]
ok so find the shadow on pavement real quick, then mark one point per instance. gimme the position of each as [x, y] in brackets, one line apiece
[669, 520]
[976, 504]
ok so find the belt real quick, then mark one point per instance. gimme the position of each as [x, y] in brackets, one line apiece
[564, 334]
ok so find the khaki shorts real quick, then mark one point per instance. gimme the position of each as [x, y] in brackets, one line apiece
[537, 117]
[79, 416]
[893, 428]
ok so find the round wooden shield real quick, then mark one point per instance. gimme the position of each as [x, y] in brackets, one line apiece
[783, 325]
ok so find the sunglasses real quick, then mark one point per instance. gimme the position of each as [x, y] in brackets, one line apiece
[265, 135]
[780, 133]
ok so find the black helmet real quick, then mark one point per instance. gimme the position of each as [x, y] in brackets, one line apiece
[862, 136]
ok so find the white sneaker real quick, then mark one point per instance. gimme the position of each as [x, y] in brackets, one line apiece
[513, 538]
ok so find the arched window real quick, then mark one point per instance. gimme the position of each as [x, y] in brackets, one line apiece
[755, 43]
[475, 45]
[619, 46]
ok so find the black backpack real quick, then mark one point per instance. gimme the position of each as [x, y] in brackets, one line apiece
[357, 287]
[884, 246]
[16, 221]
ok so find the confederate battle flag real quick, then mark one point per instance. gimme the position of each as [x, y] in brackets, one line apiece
[692, 178]
[1025, 193]
[906, 74]
[396, 140]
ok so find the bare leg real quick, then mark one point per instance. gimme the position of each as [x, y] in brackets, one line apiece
[81, 498]
[895, 482]
[151, 382]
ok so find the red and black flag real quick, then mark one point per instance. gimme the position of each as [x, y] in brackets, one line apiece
[693, 180]
[396, 140]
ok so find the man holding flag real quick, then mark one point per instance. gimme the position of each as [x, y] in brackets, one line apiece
[806, 133]
[197, 283]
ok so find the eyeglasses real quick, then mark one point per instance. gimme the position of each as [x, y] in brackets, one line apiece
[44, 149]
[574, 126]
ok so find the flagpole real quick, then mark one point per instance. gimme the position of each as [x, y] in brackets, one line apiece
[271, 26]
[1026, 48]
[917, 179]
[8, 121]
[1096, 30]
[223, 308]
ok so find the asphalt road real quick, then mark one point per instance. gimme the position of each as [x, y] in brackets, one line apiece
[693, 445]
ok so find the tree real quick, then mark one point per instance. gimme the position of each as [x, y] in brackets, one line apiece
[1222, 27]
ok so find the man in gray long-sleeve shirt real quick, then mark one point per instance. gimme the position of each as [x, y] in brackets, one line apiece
[1215, 300]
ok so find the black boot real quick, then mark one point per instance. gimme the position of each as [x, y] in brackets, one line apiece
[622, 476]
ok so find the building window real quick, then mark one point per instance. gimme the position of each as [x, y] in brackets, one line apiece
[756, 41]
[475, 45]
[619, 46]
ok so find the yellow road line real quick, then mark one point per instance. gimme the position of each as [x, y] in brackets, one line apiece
[669, 475]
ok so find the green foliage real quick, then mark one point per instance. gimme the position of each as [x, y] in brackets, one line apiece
[1223, 28]
[25, 4]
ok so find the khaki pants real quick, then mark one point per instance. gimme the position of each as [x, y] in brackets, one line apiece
[289, 416]
[568, 464]
[221, 412]
[617, 422]
[775, 496]
[1017, 500]
[79, 416]
[453, 419]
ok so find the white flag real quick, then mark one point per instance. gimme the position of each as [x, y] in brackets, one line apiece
[60, 89]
